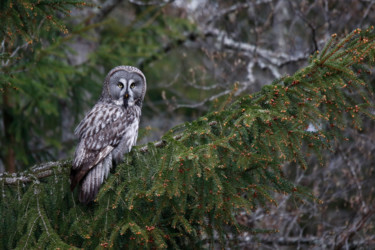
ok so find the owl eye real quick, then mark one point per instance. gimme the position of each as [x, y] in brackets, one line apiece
[132, 85]
[120, 85]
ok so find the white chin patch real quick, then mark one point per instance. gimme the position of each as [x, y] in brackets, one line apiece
[119, 102]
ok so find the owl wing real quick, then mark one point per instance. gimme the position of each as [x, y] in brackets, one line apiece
[99, 132]
[97, 119]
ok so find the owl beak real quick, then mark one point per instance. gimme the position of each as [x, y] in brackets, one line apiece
[126, 95]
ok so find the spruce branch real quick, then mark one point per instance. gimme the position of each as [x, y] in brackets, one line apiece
[184, 188]
[46, 169]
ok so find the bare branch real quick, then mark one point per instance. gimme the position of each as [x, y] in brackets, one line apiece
[36, 172]
[276, 58]
[366, 12]
[233, 8]
[157, 2]
[343, 238]
[211, 98]
[106, 9]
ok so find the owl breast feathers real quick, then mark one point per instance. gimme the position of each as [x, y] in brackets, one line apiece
[108, 131]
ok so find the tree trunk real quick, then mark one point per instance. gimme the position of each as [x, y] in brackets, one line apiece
[10, 159]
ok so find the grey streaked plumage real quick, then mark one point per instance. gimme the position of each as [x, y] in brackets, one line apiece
[108, 131]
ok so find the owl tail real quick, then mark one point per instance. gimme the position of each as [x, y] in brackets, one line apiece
[91, 183]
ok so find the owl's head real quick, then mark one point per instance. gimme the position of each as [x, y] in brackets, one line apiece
[124, 86]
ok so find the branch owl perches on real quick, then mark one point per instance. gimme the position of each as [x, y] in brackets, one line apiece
[108, 131]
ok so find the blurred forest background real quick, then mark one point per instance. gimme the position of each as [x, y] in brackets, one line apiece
[197, 55]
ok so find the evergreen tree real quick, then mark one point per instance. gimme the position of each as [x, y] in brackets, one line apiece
[34, 77]
[186, 189]
[44, 90]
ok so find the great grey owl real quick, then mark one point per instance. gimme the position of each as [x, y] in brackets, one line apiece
[108, 131]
